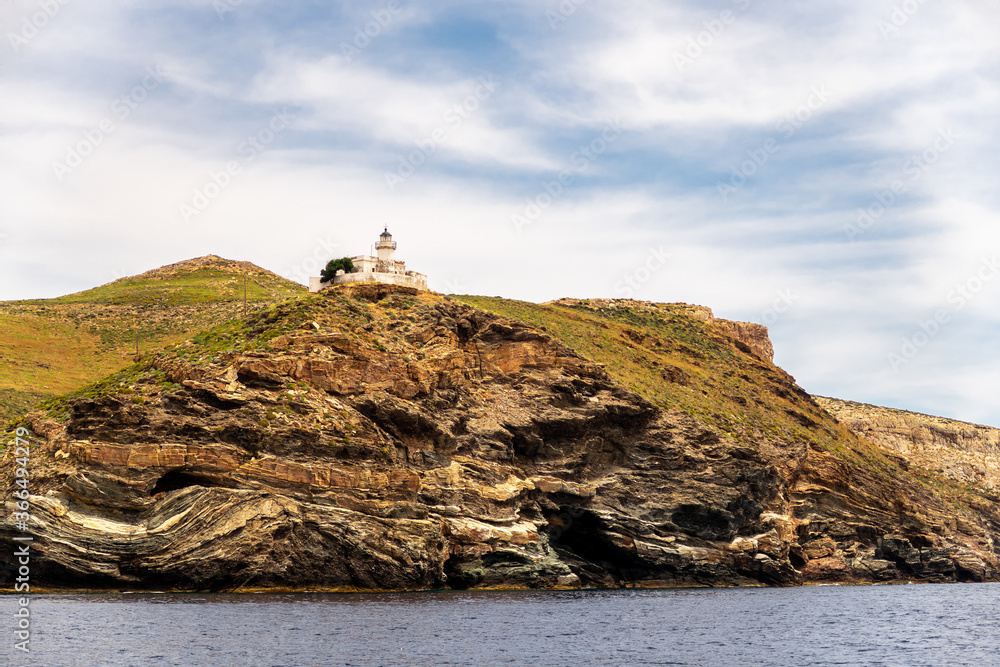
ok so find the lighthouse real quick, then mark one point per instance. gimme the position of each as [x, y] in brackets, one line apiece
[386, 249]
[382, 268]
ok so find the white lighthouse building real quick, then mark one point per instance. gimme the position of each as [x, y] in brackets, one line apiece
[384, 268]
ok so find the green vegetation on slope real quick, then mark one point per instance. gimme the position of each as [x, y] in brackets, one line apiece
[53, 346]
[338, 313]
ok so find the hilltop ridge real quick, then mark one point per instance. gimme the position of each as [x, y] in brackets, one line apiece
[183, 267]
[208, 261]
[201, 279]
[50, 346]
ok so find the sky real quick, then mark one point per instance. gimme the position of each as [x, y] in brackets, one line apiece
[826, 169]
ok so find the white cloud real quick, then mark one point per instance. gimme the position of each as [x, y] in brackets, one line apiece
[453, 115]
[321, 183]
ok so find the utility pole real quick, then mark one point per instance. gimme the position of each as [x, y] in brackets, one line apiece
[244, 294]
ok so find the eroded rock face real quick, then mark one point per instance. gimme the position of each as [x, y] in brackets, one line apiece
[386, 440]
[967, 453]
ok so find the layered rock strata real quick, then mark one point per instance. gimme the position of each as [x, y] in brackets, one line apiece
[384, 440]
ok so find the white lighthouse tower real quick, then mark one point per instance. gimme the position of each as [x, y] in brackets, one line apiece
[386, 249]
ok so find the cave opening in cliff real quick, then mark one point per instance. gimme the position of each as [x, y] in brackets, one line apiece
[179, 479]
[583, 536]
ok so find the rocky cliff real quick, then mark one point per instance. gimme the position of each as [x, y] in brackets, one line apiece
[966, 453]
[377, 438]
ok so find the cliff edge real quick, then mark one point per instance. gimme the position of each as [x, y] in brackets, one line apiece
[963, 452]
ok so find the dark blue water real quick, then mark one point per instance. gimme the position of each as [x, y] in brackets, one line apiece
[873, 625]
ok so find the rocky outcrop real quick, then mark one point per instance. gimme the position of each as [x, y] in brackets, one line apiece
[750, 334]
[374, 440]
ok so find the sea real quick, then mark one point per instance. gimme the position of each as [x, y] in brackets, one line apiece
[907, 625]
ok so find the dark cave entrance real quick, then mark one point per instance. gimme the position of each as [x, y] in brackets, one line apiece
[179, 479]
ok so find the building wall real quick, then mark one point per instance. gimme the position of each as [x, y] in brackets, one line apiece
[364, 263]
[409, 279]
[369, 264]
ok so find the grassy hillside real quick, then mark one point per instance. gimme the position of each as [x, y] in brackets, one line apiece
[52, 346]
